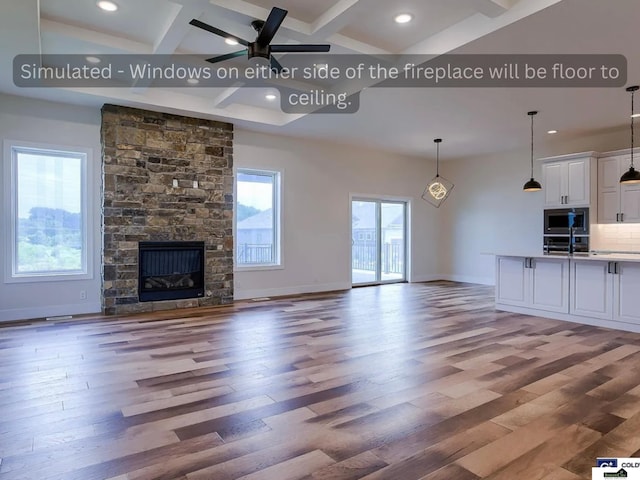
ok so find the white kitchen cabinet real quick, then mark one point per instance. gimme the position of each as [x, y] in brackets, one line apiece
[591, 289]
[628, 292]
[540, 283]
[616, 203]
[605, 290]
[567, 182]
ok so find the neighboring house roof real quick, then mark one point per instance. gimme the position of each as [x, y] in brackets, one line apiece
[364, 218]
[262, 220]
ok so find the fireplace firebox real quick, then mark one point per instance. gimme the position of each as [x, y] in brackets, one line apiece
[170, 270]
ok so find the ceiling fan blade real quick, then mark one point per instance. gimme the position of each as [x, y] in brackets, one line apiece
[228, 56]
[300, 48]
[276, 66]
[217, 31]
[271, 26]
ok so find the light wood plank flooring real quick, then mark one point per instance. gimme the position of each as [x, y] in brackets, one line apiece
[400, 382]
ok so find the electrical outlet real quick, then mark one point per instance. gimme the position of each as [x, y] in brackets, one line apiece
[175, 183]
[195, 184]
[83, 294]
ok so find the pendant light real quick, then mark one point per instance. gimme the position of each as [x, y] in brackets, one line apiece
[532, 185]
[439, 188]
[632, 175]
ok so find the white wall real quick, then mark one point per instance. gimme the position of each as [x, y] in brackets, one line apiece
[55, 124]
[318, 179]
[489, 213]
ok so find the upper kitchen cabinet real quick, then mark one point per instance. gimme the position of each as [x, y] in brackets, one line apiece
[616, 203]
[567, 180]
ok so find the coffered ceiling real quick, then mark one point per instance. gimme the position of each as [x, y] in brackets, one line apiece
[472, 120]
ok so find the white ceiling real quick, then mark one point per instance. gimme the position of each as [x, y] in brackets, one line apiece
[472, 120]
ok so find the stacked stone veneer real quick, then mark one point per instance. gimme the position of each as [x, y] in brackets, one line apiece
[143, 153]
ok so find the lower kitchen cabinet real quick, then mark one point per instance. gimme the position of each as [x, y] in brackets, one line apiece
[627, 296]
[587, 290]
[606, 290]
[539, 283]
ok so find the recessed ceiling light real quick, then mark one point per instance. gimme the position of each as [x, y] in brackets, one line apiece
[552, 132]
[107, 6]
[230, 41]
[635, 115]
[403, 18]
[92, 59]
[193, 81]
[321, 66]
[270, 96]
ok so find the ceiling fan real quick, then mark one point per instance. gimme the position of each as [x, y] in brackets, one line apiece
[261, 47]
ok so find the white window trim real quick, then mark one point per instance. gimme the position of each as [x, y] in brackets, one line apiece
[9, 212]
[277, 213]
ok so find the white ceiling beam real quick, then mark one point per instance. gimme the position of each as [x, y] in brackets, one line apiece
[94, 37]
[223, 99]
[476, 27]
[324, 29]
[492, 8]
[255, 12]
[175, 29]
[336, 18]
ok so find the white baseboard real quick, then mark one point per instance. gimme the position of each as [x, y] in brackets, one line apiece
[49, 311]
[240, 294]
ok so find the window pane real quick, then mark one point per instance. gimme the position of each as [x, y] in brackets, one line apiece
[255, 219]
[49, 230]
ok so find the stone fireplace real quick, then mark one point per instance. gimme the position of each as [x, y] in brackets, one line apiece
[166, 178]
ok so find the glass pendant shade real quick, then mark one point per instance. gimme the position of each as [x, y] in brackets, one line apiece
[631, 176]
[532, 185]
[439, 188]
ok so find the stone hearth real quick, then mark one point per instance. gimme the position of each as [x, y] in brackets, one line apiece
[165, 178]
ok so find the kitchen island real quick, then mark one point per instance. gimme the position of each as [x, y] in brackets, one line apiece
[595, 289]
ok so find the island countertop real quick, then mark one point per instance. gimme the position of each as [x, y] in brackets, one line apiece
[595, 256]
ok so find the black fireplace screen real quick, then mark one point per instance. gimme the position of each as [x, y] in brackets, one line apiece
[170, 270]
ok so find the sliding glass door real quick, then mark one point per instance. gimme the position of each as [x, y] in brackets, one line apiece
[378, 241]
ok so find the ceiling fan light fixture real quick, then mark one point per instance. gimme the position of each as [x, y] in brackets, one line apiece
[93, 59]
[193, 81]
[107, 6]
[231, 41]
[631, 176]
[532, 185]
[270, 96]
[403, 18]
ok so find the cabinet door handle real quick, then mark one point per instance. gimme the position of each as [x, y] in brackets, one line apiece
[622, 217]
[616, 268]
[609, 267]
[617, 217]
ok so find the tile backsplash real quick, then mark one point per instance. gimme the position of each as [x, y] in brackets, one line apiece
[616, 237]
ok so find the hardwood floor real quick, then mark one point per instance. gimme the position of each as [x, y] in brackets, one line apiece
[400, 382]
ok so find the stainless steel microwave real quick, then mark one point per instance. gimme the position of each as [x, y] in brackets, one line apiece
[560, 221]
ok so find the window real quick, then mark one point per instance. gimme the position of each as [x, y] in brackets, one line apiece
[48, 213]
[257, 218]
